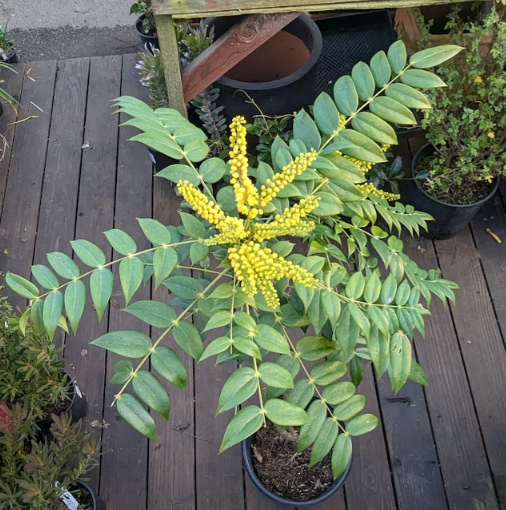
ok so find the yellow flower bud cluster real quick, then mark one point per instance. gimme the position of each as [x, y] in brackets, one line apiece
[246, 194]
[364, 166]
[342, 121]
[200, 203]
[290, 222]
[287, 175]
[232, 231]
[257, 268]
[368, 188]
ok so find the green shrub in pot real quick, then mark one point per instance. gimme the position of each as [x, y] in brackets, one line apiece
[354, 292]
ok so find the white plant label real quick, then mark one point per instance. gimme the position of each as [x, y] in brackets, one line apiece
[68, 500]
[78, 391]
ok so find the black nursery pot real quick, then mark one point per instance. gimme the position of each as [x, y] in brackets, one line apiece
[88, 492]
[76, 406]
[10, 58]
[449, 219]
[146, 38]
[248, 466]
[257, 73]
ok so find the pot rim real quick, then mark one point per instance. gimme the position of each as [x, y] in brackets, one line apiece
[248, 465]
[140, 32]
[417, 156]
[314, 56]
[88, 489]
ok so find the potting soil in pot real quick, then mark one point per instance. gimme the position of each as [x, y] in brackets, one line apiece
[280, 56]
[283, 470]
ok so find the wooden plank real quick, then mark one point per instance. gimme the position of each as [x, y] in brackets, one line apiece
[12, 83]
[172, 457]
[205, 8]
[95, 215]
[232, 47]
[58, 205]
[18, 226]
[409, 438]
[370, 484]
[482, 347]
[127, 450]
[170, 59]
[466, 473]
[493, 256]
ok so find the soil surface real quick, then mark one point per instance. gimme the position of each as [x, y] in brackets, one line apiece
[284, 471]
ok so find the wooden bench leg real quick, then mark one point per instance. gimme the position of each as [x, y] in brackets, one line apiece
[170, 58]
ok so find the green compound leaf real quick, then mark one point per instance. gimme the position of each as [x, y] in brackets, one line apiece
[184, 287]
[21, 286]
[408, 96]
[240, 386]
[63, 265]
[89, 253]
[218, 320]
[285, 414]
[304, 129]
[380, 68]
[53, 306]
[313, 348]
[375, 128]
[75, 299]
[363, 80]
[36, 317]
[302, 393]
[122, 371]
[400, 360]
[101, 284]
[324, 441]
[247, 346]
[361, 425]
[216, 347]
[243, 425]
[341, 455]
[365, 149]
[196, 151]
[212, 170]
[134, 413]
[156, 233]
[372, 288]
[131, 274]
[360, 318]
[150, 390]
[349, 408]
[397, 56]
[392, 111]
[198, 252]
[168, 364]
[193, 226]
[130, 344]
[154, 313]
[326, 114]
[164, 262]
[188, 338]
[176, 173]
[331, 307]
[270, 340]
[275, 376]
[345, 95]
[378, 317]
[121, 241]
[432, 57]
[45, 277]
[355, 286]
[317, 412]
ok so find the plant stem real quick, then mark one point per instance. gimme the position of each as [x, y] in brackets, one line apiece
[260, 396]
[164, 334]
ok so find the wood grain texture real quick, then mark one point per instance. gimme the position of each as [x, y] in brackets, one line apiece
[12, 83]
[171, 481]
[127, 457]
[204, 8]
[95, 214]
[170, 58]
[232, 47]
[482, 347]
[370, 484]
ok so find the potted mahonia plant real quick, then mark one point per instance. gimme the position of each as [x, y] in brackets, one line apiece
[44, 474]
[459, 169]
[354, 293]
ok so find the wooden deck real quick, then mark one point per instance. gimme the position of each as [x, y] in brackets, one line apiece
[70, 173]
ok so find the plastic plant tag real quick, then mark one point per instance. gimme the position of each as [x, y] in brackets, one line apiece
[68, 500]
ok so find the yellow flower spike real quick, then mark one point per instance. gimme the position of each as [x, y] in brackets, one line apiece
[200, 203]
[232, 231]
[246, 194]
[368, 188]
[287, 175]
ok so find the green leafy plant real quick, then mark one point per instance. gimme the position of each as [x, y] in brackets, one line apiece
[4, 95]
[467, 125]
[354, 292]
[34, 475]
[6, 46]
[143, 7]
[32, 368]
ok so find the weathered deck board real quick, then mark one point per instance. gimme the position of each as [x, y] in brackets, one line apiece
[443, 449]
[18, 226]
[128, 451]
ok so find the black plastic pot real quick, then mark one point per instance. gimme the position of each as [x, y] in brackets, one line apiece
[279, 96]
[146, 38]
[76, 406]
[248, 466]
[159, 160]
[11, 57]
[85, 488]
[449, 219]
